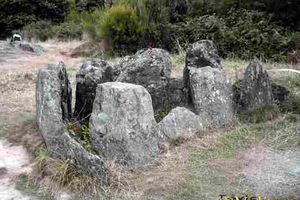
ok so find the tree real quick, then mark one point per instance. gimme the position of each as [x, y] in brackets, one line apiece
[89, 5]
[286, 13]
[18, 13]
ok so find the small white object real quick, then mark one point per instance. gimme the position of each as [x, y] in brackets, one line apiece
[17, 36]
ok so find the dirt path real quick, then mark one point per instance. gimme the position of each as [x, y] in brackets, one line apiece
[18, 71]
[273, 173]
[14, 161]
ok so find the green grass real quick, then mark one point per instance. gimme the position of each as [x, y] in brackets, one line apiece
[26, 188]
[206, 181]
[162, 114]
[259, 115]
[72, 71]
[3, 131]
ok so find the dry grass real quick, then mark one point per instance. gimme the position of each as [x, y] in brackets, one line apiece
[193, 168]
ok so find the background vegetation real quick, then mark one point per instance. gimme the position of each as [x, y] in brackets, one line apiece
[240, 28]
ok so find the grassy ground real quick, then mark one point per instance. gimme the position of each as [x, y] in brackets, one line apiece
[201, 167]
[220, 170]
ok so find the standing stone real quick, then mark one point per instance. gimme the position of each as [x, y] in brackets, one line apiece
[180, 121]
[201, 54]
[211, 95]
[151, 69]
[90, 74]
[52, 106]
[255, 89]
[122, 124]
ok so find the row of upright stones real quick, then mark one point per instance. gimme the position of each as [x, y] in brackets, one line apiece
[118, 102]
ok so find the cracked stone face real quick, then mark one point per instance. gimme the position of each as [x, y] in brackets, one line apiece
[53, 94]
[122, 124]
[211, 95]
[255, 90]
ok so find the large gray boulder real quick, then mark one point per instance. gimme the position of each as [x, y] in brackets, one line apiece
[255, 90]
[211, 95]
[53, 108]
[150, 68]
[90, 74]
[201, 54]
[122, 124]
[34, 48]
[180, 121]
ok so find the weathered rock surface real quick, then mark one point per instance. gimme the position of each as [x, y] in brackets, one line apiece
[151, 69]
[37, 49]
[280, 93]
[211, 95]
[201, 54]
[122, 124]
[180, 121]
[255, 89]
[53, 108]
[90, 74]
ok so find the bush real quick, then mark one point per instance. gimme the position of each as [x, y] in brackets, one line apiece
[244, 34]
[44, 30]
[68, 31]
[89, 5]
[19, 13]
[41, 31]
[119, 25]
[286, 13]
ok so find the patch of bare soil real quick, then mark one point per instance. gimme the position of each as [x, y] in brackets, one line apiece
[272, 173]
[18, 73]
[14, 161]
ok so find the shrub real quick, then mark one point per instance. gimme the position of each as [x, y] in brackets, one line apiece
[286, 13]
[44, 30]
[68, 31]
[89, 5]
[119, 25]
[41, 31]
[82, 134]
[18, 13]
[244, 34]
[292, 105]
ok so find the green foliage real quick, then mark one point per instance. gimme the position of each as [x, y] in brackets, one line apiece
[44, 30]
[68, 31]
[244, 34]
[119, 25]
[82, 134]
[292, 105]
[260, 115]
[18, 13]
[89, 5]
[162, 114]
[286, 13]
[41, 30]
